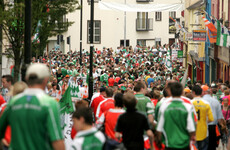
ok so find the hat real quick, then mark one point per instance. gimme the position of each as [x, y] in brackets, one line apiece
[102, 89]
[38, 69]
[67, 76]
[204, 87]
[213, 85]
[187, 90]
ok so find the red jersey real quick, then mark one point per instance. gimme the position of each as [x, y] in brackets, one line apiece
[95, 102]
[117, 79]
[154, 101]
[2, 101]
[109, 119]
[104, 106]
[111, 81]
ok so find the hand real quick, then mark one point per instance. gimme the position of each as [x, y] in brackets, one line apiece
[5, 143]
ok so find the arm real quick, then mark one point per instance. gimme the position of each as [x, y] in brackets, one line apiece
[193, 137]
[58, 145]
[150, 135]
[118, 135]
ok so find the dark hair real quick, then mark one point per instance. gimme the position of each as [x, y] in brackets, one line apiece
[197, 89]
[54, 84]
[9, 78]
[139, 86]
[33, 79]
[165, 93]
[176, 88]
[129, 101]
[109, 92]
[118, 100]
[84, 112]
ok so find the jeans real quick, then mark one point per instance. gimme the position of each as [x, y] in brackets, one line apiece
[202, 145]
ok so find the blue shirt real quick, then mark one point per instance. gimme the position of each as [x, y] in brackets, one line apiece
[216, 108]
[150, 80]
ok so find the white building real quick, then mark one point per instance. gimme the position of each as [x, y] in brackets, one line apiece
[146, 29]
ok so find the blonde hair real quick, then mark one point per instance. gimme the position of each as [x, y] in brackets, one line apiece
[19, 87]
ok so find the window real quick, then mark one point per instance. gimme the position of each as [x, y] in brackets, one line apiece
[141, 42]
[143, 23]
[172, 14]
[96, 32]
[158, 16]
[122, 42]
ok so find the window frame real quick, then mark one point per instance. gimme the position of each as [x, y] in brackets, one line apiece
[94, 34]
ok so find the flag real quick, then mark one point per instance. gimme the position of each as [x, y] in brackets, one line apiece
[66, 110]
[66, 105]
[183, 81]
[222, 39]
[35, 38]
[212, 31]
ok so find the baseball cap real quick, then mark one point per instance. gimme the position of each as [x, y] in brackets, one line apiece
[204, 87]
[67, 76]
[187, 90]
[38, 69]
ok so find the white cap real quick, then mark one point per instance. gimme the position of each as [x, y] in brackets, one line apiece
[38, 69]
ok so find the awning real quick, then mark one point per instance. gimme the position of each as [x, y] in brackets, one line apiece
[196, 5]
[139, 7]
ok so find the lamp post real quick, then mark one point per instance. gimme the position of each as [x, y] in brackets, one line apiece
[125, 28]
[90, 90]
[81, 33]
[27, 38]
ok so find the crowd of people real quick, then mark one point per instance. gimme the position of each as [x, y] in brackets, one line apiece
[139, 102]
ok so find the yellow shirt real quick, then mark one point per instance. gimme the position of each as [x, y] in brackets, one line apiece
[204, 114]
[146, 78]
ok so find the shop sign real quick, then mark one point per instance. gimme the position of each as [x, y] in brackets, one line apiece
[199, 35]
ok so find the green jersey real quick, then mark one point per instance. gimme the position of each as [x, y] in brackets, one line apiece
[144, 104]
[34, 119]
[176, 119]
[105, 78]
[88, 140]
[64, 72]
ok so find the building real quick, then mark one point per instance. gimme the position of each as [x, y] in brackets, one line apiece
[145, 29]
[223, 14]
[195, 46]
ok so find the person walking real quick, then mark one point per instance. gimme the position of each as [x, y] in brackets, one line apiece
[204, 115]
[177, 134]
[33, 116]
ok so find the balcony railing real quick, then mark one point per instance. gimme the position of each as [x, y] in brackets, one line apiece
[144, 24]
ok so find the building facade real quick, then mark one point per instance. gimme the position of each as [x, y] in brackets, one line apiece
[145, 29]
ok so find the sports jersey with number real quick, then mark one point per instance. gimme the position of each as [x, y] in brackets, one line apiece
[204, 114]
[34, 119]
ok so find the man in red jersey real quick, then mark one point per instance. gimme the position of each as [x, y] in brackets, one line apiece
[111, 80]
[109, 118]
[105, 104]
[95, 102]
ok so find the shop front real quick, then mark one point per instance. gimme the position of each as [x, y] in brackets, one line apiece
[212, 64]
[197, 67]
[223, 65]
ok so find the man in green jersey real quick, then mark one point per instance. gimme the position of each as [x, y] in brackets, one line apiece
[176, 120]
[87, 137]
[144, 104]
[33, 116]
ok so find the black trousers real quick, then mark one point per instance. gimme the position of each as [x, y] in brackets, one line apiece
[212, 144]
